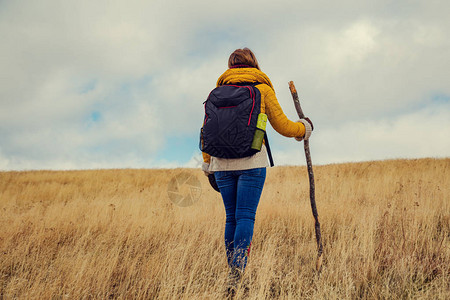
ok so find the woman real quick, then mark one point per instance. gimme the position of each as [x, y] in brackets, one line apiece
[241, 180]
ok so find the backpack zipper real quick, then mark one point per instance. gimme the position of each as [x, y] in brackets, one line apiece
[251, 95]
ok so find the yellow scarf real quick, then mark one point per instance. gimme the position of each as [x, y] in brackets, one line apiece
[241, 75]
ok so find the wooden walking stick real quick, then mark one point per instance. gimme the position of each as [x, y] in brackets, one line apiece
[312, 197]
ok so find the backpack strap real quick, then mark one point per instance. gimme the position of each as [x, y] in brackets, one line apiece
[269, 153]
[266, 139]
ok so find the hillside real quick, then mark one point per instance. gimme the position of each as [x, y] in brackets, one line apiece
[136, 234]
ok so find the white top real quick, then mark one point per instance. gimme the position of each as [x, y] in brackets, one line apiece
[257, 160]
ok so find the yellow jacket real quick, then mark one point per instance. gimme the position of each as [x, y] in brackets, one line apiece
[269, 102]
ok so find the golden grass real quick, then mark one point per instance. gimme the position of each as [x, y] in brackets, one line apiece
[115, 234]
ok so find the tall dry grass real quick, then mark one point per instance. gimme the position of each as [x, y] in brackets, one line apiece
[115, 234]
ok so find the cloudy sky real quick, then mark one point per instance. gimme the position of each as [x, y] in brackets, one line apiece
[117, 84]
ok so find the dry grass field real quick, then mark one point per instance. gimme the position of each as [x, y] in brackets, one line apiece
[101, 234]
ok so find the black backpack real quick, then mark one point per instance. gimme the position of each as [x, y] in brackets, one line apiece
[231, 114]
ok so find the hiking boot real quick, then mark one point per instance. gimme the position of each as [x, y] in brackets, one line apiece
[234, 279]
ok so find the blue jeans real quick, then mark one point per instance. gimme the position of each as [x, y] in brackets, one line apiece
[240, 191]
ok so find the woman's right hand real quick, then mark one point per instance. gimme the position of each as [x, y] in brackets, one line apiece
[309, 127]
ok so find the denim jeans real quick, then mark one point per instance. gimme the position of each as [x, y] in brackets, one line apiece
[240, 191]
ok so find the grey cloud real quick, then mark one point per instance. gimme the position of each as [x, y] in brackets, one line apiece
[421, 133]
[154, 62]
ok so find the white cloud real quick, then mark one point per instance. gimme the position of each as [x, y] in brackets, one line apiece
[196, 161]
[362, 69]
[422, 133]
[98, 84]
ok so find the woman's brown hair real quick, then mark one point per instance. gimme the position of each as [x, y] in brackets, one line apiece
[243, 57]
